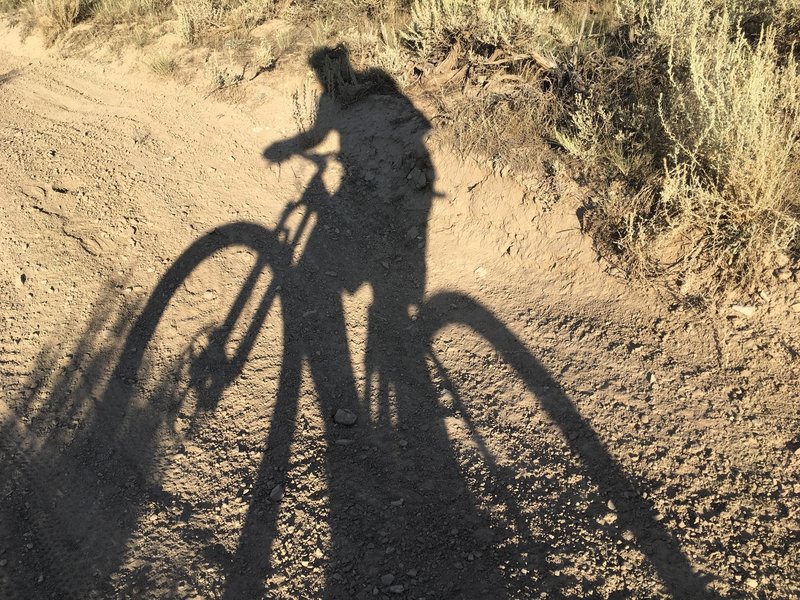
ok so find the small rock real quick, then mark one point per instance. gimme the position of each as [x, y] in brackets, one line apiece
[608, 519]
[412, 233]
[783, 274]
[3, 562]
[751, 583]
[628, 535]
[782, 259]
[276, 493]
[747, 311]
[795, 307]
[34, 192]
[387, 579]
[651, 378]
[345, 417]
[611, 505]
[447, 398]
[417, 178]
[397, 502]
[397, 589]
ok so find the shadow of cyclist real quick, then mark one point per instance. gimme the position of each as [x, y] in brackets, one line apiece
[404, 506]
[398, 498]
[410, 497]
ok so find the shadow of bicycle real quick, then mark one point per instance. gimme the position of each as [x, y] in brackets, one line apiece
[273, 447]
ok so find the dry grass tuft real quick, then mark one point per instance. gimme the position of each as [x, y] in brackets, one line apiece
[56, 16]
[162, 65]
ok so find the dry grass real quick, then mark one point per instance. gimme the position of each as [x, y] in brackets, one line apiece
[129, 11]
[56, 16]
[162, 65]
[701, 129]
[683, 114]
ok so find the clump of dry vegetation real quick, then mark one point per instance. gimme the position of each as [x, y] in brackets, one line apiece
[162, 64]
[683, 115]
[698, 140]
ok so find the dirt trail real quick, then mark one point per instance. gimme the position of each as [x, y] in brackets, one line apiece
[171, 364]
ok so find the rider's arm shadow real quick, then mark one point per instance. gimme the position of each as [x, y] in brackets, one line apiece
[284, 149]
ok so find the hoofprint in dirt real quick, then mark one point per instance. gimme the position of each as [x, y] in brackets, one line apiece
[541, 430]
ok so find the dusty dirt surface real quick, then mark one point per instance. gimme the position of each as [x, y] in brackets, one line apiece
[226, 375]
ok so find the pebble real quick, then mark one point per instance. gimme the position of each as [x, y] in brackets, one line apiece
[611, 505]
[345, 417]
[276, 493]
[795, 307]
[628, 535]
[387, 579]
[747, 311]
[397, 589]
[417, 178]
[447, 398]
[783, 274]
[3, 562]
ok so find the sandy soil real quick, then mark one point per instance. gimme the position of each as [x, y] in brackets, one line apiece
[193, 316]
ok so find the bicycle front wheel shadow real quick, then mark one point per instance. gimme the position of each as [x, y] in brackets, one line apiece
[546, 477]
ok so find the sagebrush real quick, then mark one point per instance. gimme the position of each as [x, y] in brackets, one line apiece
[683, 115]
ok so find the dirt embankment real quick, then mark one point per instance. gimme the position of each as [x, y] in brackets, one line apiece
[181, 363]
